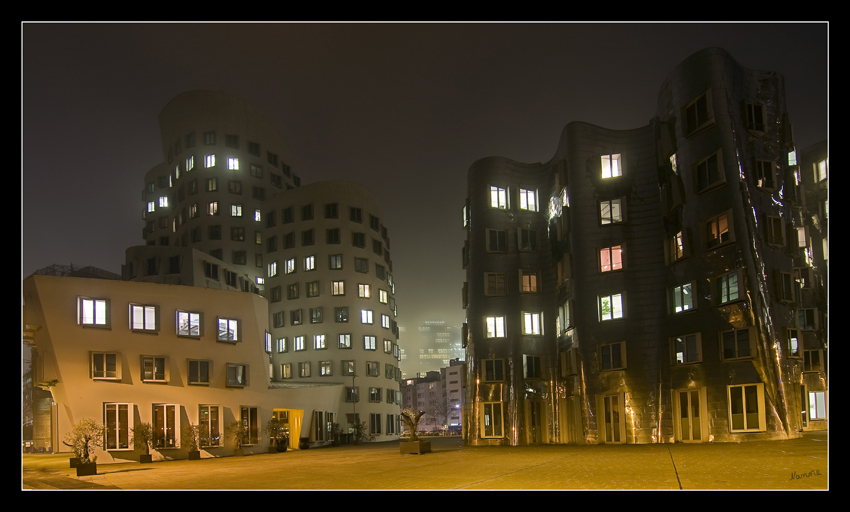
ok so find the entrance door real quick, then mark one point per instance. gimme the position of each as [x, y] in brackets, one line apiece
[689, 416]
[534, 421]
[612, 418]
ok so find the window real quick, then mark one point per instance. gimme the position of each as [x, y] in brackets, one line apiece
[817, 405]
[363, 291]
[209, 161]
[764, 174]
[337, 288]
[307, 238]
[234, 187]
[736, 344]
[375, 396]
[383, 296]
[325, 368]
[388, 346]
[755, 117]
[93, 312]
[531, 367]
[687, 349]
[292, 291]
[117, 423]
[352, 394]
[166, 426]
[249, 417]
[491, 420]
[313, 289]
[236, 210]
[385, 321]
[785, 285]
[775, 228]
[727, 287]
[610, 307]
[344, 341]
[497, 240]
[610, 212]
[527, 239]
[332, 236]
[528, 200]
[310, 263]
[374, 223]
[358, 239]
[105, 366]
[717, 231]
[299, 343]
[792, 342]
[495, 326]
[531, 323]
[494, 370]
[374, 423]
[366, 316]
[348, 368]
[143, 318]
[198, 372]
[237, 375]
[228, 329]
[188, 324]
[494, 284]
[698, 114]
[675, 247]
[361, 265]
[315, 315]
[335, 261]
[209, 423]
[154, 369]
[369, 343]
[807, 319]
[821, 170]
[528, 281]
[682, 298]
[813, 360]
[611, 258]
[341, 314]
[613, 356]
[356, 215]
[709, 172]
[372, 368]
[611, 166]
[746, 408]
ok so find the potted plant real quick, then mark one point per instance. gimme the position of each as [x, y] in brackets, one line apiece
[83, 438]
[358, 431]
[278, 438]
[335, 433]
[414, 444]
[142, 438]
[237, 435]
[191, 439]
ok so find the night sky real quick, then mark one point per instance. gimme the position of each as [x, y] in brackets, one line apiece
[402, 109]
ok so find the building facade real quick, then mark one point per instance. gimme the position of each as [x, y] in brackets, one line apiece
[647, 285]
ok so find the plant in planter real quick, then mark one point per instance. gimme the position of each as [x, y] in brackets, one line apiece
[278, 438]
[335, 433]
[359, 431]
[191, 439]
[414, 444]
[84, 436]
[238, 435]
[142, 439]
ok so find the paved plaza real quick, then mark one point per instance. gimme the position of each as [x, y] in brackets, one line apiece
[791, 464]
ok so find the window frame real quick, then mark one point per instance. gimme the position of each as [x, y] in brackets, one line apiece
[679, 345]
[746, 417]
[613, 308]
[199, 381]
[495, 327]
[92, 321]
[607, 362]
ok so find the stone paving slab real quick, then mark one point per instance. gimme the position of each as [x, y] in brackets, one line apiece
[792, 464]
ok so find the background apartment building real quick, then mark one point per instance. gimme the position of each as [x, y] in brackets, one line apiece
[658, 284]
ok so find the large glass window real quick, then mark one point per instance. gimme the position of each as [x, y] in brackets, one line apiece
[117, 427]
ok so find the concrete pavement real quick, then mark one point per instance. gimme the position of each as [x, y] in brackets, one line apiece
[792, 464]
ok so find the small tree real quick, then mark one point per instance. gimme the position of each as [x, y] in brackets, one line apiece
[411, 419]
[359, 430]
[191, 436]
[142, 437]
[84, 436]
[276, 431]
[237, 433]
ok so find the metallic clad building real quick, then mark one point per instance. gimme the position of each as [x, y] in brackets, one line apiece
[651, 285]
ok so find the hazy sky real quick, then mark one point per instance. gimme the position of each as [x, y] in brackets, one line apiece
[403, 109]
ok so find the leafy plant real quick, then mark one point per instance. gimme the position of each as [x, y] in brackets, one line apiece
[276, 431]
[84, 436]
[359, 430]
[191, 436]
[237, 433]
[142, 437]
[411, 419]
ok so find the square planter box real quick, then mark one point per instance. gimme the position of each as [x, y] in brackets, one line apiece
[87, 469]
[417, 447]
[195, 455]
[74, 461]
[145, 459]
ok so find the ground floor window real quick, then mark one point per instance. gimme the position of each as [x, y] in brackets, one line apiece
[117, 427]
[209, 423]
[613, 426]
[491, 420]
[746, 408]
[817, 405]
[166, 426]
[250, 424]
[375, 424]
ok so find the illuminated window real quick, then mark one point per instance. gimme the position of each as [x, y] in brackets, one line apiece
[792, 342]
[299, 344]
[385, 321]
[746, 408]
[363, 291]
[611, 167]
[319, 342]
[765, 174]
[366, 316]
[338, 288]
[610, 211]
[611, 258]
[325, 368]
[531, 323]
[304, 369]
[528, 281]
[188, 324]
[228, 329]
[163, 202]
[190, 163]
[717, 231]
[151, 206]
[675, 247]
[166, 426]
[821, 170]
[93, 312]
[491, 420]
[728, 287]
[528, 200]
[610, 307]
[817, 405]
[289, 266]
[495, 326]
[383, 296]
[370, 343]
[687, 349]
[209, 161]
[345, 341]
[143, 318]
[272, 269]
[498, 197]
[209, 423]
[341, 314]
[682, 298]
[117, 423]
[236, 210]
